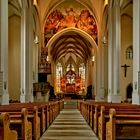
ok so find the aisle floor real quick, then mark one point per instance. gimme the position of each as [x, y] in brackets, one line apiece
[69, 125]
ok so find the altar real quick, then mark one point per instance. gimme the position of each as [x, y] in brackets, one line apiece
[70, 83]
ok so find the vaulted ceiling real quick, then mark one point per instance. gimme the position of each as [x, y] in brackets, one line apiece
[71, 45]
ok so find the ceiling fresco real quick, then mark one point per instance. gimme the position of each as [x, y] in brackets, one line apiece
[70, 15]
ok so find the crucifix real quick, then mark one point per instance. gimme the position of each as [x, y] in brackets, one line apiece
[125, 69]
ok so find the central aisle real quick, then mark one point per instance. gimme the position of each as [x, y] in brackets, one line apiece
[69, 125]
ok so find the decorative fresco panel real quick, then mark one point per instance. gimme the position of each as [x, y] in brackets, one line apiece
[58, 20]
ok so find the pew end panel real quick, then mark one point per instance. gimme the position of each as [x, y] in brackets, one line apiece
[21, 124]
[110, 125]
[5, 132]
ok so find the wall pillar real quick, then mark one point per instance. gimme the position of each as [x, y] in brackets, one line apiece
[114, 53]
[136, 52]
[26, 54]
[4, 95]
[99, 80]
[86, 75]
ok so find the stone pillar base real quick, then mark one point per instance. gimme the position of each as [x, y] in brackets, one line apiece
[30, 98]
[101, 95]
[114, 98]
[5, 99]
[25, 98]
[135, 99]
[97, 98]
[22, 98]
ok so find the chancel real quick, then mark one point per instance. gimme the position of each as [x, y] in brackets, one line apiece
[67, 62]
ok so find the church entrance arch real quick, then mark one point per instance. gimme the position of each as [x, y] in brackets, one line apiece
[71, 43]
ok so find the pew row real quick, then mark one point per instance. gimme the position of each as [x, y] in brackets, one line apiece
[17, 114]
[20, 123]
[123, 126]
[95, 117]
[47, 111]
[5, 132]
[104, 117]
[40, 115]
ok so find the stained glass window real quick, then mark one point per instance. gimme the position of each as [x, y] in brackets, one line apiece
[129, 53]
[58, 76]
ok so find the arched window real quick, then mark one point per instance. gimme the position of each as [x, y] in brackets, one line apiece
[129, 53]
[58, 76]
[82, 75]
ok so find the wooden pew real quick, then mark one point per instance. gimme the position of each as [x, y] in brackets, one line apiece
[104, 117]
[20, 123]
[36, 114]
[47, 111]
[36, 126]
[87, 109]
[91, 111]
[122, 127]
[47, 114]
[5, 132]
[97, 112]
[32, 116]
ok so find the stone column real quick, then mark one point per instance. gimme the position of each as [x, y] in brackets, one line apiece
[93, 76]
[26, 54]
[136, 52]
[102, 67]
[113, 53]
[100, 94]
[98, 75]
[87, 75]
[35, 59]
[36, 62]
[4, 95]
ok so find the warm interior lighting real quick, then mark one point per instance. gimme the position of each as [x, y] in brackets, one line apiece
[104, 40]
[47, 58]
[93, 58]
[106, 2]
[36, 40]
[34, 2]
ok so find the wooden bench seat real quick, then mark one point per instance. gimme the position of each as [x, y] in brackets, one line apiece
[104, 117]
[97, 111]
[51, 110]
[41, 115]
[15, 111]
[5, 132]
[47, 111]
[35, 114]
[21, 124]
[122, 126]
[92, 111]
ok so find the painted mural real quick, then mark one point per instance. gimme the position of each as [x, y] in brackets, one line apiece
[58, 20]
